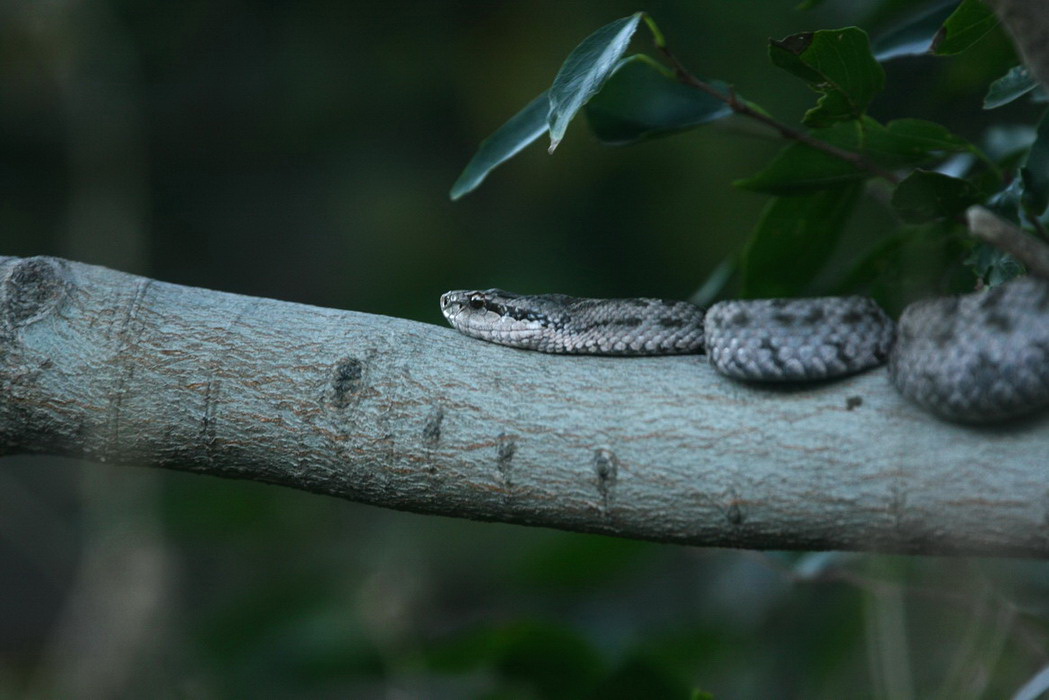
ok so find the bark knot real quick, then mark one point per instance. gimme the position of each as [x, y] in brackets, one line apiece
[606, 468]
[31, 288]
[347, 381]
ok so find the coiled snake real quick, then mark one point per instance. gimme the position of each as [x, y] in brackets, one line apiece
[973, 358]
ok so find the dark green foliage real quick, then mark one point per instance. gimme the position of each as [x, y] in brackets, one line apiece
[913, 36]
[837, 63]
[793, 240]
[549, 660]
[966, 26]
[642, 100]
[929, 196]
[1016, 83]
[818, 177]
[1035, 172]
[905, 142]
[584, 72]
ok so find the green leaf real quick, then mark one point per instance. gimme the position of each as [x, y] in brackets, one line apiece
[1035, 172]
[914, 139]
[992, 265]
[926, 196]
[585, 71]
[966, 26]
[522, 129]
[904, 142]
[1016, 83]
[913, 262]
[794, 239]
[914, 36]
[835, 62]
[642, 100]
[1006, 202]
[800, 168]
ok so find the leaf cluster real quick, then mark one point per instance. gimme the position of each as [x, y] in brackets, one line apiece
[927, 174]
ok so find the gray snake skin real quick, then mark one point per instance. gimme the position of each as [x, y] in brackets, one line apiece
[979, 357]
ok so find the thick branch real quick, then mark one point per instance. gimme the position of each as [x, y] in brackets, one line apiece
[1033, 253]
[117, 368]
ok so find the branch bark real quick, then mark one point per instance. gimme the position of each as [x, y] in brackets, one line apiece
[1028, 250]
[117, 368]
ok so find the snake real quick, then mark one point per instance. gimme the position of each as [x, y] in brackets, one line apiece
[972, 358]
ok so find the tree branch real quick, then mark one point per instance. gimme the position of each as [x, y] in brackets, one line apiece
[116, 368]
[1030, 251]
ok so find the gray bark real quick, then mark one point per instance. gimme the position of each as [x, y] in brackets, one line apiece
[118, 368]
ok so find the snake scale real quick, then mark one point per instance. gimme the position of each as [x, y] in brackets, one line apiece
[978, 357]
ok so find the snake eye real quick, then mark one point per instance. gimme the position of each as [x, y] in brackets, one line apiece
[476, 303]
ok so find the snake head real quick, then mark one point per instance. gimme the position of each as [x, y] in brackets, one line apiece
[497, 316]
[471, 308]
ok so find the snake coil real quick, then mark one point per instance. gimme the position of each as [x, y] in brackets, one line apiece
[978, 357]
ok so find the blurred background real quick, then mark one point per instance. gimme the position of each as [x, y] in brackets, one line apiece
[304, 151]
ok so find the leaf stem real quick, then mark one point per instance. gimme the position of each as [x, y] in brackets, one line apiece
[657, 34]
[742, 108]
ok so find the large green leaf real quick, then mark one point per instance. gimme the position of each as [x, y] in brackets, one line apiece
[927, 196]
[794, 239]
[642, 100]
[522, 129]
[904, 142]
[1016, 83]
[908, 141]
[913, 262]
[799, 168]
[966, 26]
[914, 36]
[835, 62]
[585, 71]
[1035, 172]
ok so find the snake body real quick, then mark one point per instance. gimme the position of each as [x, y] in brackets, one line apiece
[974, 358]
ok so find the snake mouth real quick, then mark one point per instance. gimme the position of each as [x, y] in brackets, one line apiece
[452, 305]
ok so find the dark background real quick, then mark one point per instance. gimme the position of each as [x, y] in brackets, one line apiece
[304, 151]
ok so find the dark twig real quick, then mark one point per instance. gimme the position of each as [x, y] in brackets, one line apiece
[1033, 253]
[742, 108]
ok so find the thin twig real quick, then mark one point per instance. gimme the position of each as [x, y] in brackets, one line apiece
[1033, 253]
[742, 108]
